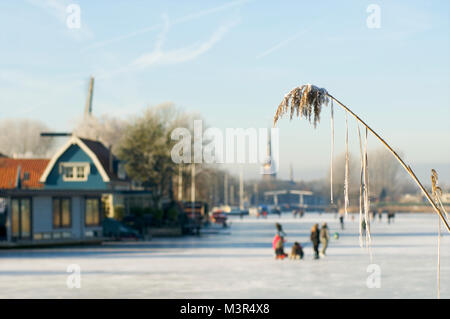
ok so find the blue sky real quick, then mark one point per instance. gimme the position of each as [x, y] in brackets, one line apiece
[232, 61]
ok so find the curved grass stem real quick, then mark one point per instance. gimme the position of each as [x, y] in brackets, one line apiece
[406, 167]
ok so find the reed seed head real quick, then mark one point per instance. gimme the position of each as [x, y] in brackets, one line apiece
[304, 101]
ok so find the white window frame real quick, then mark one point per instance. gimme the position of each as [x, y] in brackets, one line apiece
[74, 166]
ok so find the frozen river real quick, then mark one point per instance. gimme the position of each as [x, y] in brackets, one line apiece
[238, 263]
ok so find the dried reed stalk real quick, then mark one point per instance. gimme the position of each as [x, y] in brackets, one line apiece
[366, 197]
[307, 100]
[437, 193]
[346, 186]
[332, 152]
[439, 261]
[361, 188]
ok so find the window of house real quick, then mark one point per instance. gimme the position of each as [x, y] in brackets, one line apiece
[21, 218]
[80, 172]
[61, 213]
[74, 172]
[68, 172]
[92, 216]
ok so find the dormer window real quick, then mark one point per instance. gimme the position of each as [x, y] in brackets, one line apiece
[74, 172]
[81, 172]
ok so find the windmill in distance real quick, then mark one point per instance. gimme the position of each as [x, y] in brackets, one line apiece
[88, 108]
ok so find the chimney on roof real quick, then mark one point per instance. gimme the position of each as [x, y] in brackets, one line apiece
[111, 159]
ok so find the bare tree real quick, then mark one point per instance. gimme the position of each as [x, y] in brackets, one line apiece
[384, 173]
[339, 178]
[146, 147]
[106, 129]
[21, 138]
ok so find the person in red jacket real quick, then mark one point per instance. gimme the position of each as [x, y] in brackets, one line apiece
[278, 242]
[279, 248]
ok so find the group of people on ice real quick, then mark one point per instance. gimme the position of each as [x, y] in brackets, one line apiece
[390, 215]
[318, 236]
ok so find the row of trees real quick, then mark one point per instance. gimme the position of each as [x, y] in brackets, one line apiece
[21, 138]
[144, 143]
[387, 181]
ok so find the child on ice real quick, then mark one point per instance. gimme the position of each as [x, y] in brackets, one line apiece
[296, 251]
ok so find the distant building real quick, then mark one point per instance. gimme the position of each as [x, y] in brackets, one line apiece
[411, 198]
[445, 198]
[268, 169]
[291, 175]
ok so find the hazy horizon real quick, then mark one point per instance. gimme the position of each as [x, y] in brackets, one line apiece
[223, 60]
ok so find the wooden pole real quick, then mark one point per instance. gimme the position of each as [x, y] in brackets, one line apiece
[180, 183]
[193, 186]
[225, 189]
[406, 167]
[241, 188]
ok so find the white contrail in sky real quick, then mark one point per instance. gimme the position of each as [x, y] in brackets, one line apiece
[158, 56]
[187, 18]
[280, 44]
[167, 57]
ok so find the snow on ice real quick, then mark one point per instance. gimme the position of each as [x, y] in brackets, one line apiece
[238, 262]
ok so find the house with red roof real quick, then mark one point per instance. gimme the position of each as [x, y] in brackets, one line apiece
[27, 172]
[61, 199]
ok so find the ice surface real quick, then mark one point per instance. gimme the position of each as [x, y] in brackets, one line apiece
[238, 263]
